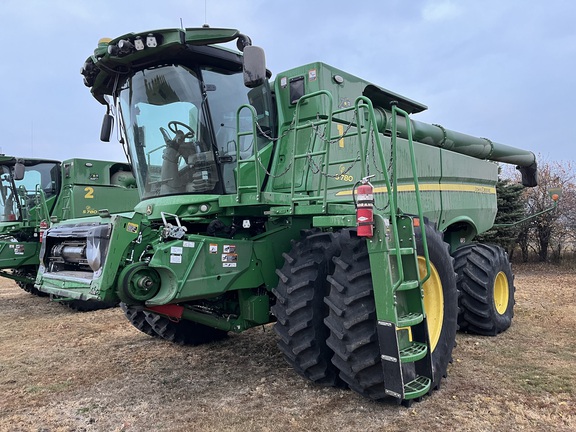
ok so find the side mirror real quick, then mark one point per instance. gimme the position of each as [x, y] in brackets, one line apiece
[106, 131]
[18, 171]
[254, 66]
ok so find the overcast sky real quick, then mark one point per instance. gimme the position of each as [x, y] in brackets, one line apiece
[500, 69]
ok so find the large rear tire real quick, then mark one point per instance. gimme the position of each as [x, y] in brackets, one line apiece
[486, 283]
[300, 309]
[352, 317]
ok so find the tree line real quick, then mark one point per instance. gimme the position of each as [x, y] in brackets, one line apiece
[550, 235]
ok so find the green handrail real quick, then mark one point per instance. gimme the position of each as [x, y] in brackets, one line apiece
[239, 161]
[365, 103]
[395, 112]
[323, 183]
[42, 198]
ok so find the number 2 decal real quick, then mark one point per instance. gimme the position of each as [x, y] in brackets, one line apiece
[89, 192]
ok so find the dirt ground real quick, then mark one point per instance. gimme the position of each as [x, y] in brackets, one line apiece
[66, 371]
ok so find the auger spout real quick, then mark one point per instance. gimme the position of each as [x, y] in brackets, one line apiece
[480, 148]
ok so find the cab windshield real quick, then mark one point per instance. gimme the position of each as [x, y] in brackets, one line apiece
[180, 128]
[17, 197]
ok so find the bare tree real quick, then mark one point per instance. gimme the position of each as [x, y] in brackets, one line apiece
[550, 231]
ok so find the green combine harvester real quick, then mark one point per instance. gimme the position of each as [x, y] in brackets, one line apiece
[38, 193]
[312, 200]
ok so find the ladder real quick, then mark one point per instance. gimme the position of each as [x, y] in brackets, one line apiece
[398, 289]
[401, 320]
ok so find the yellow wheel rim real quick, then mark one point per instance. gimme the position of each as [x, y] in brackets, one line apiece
[501, 293]
[433, 302]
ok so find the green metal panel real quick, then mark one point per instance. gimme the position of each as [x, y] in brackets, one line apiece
[201, 266]
[17, 254]
[92, 185]
[468, 188]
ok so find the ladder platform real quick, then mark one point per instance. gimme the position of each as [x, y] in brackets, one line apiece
[410, 319]
[408, 285]
[417, 388]
[413, 352]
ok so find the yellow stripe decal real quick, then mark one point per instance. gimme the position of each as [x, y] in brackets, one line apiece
[433, 187]
[341, 132]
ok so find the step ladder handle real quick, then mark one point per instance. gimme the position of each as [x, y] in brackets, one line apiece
[327, 121]
[420, 212]
[239, 161]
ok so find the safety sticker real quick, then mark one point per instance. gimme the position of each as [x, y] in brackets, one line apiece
[229, 260]
[175, 259]
[19, 249]
[189, 244]
[312, 75]
[213, 248]
[132, 227]
[229, 249]
[229, 257]
[176, 250]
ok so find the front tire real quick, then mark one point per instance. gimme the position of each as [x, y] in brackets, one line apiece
[88, 305]
[300, 309]
[137, 317]
[183, 332]
[352, 317]
[486, 282]
[29, 272]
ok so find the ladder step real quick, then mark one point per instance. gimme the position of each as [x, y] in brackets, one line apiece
[247, 187]
[410, 319]
[402, 251]
[413, 352]
[416, 388]
[408, 285]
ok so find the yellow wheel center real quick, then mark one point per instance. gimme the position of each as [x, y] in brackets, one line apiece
[433, 302]
[501, 293]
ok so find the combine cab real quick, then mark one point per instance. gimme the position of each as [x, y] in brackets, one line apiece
[313, 200]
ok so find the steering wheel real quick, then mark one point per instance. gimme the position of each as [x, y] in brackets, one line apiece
[181, 137]
[188, 131]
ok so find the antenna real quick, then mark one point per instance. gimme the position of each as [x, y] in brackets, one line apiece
[181, 25]
[205, 12]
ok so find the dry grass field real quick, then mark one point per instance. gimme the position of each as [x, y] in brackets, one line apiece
[67, 371]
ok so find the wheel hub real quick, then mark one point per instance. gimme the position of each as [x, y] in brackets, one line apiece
[433, 302]
[501, 293]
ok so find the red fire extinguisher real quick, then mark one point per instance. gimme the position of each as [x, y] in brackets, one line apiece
[365, 209]
[43, 227]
